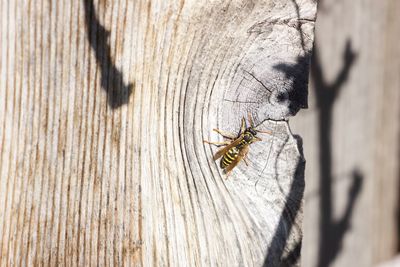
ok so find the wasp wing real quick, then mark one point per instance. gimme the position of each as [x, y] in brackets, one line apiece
[225, 149]
[243, 152]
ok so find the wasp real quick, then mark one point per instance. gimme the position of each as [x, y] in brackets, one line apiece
[236, 147]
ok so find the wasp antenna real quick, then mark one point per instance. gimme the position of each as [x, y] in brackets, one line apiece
[250, 119]
[266, 132]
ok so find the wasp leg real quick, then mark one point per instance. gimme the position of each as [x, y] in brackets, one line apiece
[225, 134]
[225, 143]
[246, 153]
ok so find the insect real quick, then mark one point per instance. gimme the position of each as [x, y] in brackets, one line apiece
[237, 147]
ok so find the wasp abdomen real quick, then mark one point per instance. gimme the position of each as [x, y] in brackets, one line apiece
[229, 157]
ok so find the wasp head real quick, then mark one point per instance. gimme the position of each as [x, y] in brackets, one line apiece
[250, 136]
[252, 131]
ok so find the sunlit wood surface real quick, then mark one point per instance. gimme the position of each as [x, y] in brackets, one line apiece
[104, 106]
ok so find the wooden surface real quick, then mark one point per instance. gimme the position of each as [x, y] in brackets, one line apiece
[351, 135]
[103, 109]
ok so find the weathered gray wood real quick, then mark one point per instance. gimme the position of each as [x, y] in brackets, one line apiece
[104, 106]
[392, 263]
[352, 192]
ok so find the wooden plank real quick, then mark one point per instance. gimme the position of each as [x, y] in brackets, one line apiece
[104, 108]
[353, 174]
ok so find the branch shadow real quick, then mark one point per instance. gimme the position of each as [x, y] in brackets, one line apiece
[111, 78]
[295, 97]
[332, 231]
[287, 219]
[299, 29]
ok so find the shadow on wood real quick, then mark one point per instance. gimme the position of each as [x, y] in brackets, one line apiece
[292, 207]
[332, 231]
[295, 98]
[111, 78]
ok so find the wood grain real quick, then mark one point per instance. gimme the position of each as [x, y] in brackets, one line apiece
[352, 192]
[103, 109]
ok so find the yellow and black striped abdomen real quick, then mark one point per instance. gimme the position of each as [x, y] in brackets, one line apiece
[229, 157]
